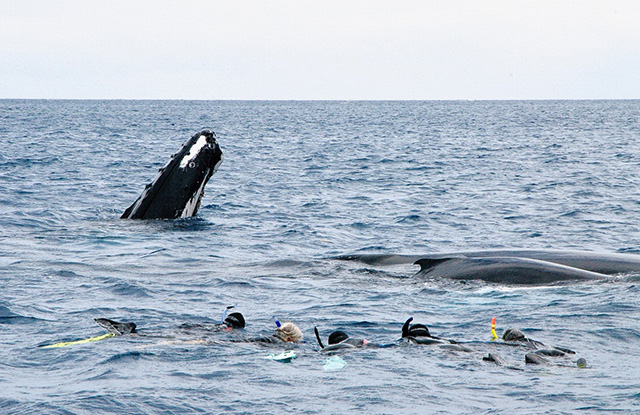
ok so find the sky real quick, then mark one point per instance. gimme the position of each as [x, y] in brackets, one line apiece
[320, 50]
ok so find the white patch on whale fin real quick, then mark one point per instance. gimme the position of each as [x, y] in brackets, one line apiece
[193, 151]
[192, 205]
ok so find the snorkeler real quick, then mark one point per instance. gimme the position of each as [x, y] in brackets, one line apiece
[515, 337]
[535, 357]
[228, 322]
[419, 334]
[284, 333]
[340, 341]
[288, 332]
[232, 321]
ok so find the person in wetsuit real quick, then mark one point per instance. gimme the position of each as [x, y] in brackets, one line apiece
[232, 321]
[284, 333]
[541, 350]
[419, 334]
[340, 341]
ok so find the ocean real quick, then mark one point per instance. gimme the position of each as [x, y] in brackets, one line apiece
[302, 183]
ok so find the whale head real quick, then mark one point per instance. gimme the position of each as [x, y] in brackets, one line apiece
[179, 186]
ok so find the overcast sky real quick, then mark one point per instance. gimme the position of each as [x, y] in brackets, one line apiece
[361, 49]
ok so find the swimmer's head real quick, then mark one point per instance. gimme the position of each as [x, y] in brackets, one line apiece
[419, 330]
[289, 332]
[234, 321]
[512, 335]
[414, 330]
[340, 337]
[337, 337]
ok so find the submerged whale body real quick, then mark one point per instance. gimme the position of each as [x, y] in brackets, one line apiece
[178, 189]
[512, 266]
[503, 270]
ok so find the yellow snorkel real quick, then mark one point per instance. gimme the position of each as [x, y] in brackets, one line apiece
[493, 329]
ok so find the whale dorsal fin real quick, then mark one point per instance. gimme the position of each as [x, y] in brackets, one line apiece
[428, 263]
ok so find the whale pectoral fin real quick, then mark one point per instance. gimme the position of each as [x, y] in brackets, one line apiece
[127, 212]
[115, 327]
[428, 263]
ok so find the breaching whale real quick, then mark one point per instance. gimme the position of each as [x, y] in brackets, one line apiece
[178, 189]
[513, 266]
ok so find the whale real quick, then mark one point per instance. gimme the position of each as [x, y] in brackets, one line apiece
[177, 190]
[506, 270]
[600, 262]
[512, 266]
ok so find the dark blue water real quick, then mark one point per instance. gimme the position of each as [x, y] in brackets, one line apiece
[302, 182]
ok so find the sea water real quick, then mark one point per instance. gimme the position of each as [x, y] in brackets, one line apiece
[302, 183]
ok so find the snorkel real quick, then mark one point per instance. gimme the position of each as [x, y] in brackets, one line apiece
[493, 329]
[224, 313]
[315, 330]
[405, 327]
[278, 334]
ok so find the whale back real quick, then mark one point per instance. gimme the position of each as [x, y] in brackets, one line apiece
[506, 270]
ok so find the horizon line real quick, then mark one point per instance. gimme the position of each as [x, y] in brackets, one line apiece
[323, 99]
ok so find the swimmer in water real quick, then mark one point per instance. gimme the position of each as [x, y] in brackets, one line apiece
[229, 322]
[284, 333]
[289, 332]
[419, 334]
[339, 341]
[541, 350]
[515, 337]
[115, 328]
[338, 337]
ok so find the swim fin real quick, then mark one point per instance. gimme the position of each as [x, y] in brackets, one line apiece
[115, 327]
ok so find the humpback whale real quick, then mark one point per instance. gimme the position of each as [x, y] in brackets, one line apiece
[512, 266]
[506, 270]
[179, 186]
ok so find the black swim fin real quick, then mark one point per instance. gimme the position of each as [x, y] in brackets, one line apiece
[564, 349]
[115, 327]
[495, 358]
[535, 358]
